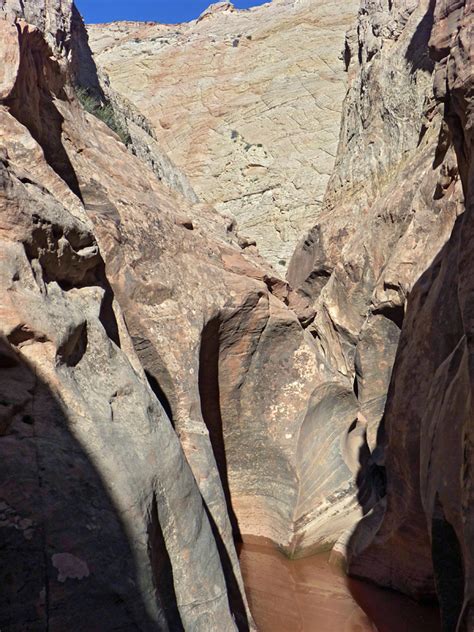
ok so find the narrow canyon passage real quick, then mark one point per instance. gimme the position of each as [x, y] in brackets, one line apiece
[237, 317]
[310, 595]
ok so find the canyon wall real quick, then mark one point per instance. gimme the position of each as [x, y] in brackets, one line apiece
[246, 103]
[420, 538]
[102, 524]
[164, 392]
[390, 206]
[221, 335]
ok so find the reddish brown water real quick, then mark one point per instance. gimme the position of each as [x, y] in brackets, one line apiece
[309, 595]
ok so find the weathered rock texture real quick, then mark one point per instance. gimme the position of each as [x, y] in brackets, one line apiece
[126, 524]
[226, 402]
[102, 524]
[390, 207]
[285, 424]
[220, 337]
[228, 357]
[246, 103]
[423, 539]
[223, 341]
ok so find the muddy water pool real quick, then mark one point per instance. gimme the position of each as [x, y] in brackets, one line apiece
[310, 595]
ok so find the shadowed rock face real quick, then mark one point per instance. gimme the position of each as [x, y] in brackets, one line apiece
[422, 540]
[246, 103]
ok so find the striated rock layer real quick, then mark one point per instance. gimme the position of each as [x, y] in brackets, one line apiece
[246, 103]
[423, 539]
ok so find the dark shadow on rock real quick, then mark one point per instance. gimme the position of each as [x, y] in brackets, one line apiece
[160, 395]
[83, 66]
[236, 603]
[444, 142]
[163, 571]
[389, 610]
[417, 54]
[370, 480]
[66, 562]
[449, 568]
[394, 313]
[445, 551]
[107, 313]
[157, 374]
[35, 108]
[209, 392]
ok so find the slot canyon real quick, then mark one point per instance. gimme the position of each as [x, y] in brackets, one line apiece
[236, 317]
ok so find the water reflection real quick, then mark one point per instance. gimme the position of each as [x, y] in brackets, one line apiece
[309, 595]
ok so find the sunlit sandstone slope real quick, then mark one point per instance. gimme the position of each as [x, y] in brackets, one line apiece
[246, 103]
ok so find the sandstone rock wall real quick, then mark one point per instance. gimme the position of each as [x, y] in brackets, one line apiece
[299, 489]
[226, 403]
[214, 331]
[102, 523]
[421, 539]
[238, 365]
[246, 103]
[390, 206]
[223, 349]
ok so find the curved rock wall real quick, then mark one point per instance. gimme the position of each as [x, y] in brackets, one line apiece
[238, 365]
[288, 396]
[101, 521]
[422, 539]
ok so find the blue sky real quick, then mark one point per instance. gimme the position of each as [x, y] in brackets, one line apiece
[166, 11]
